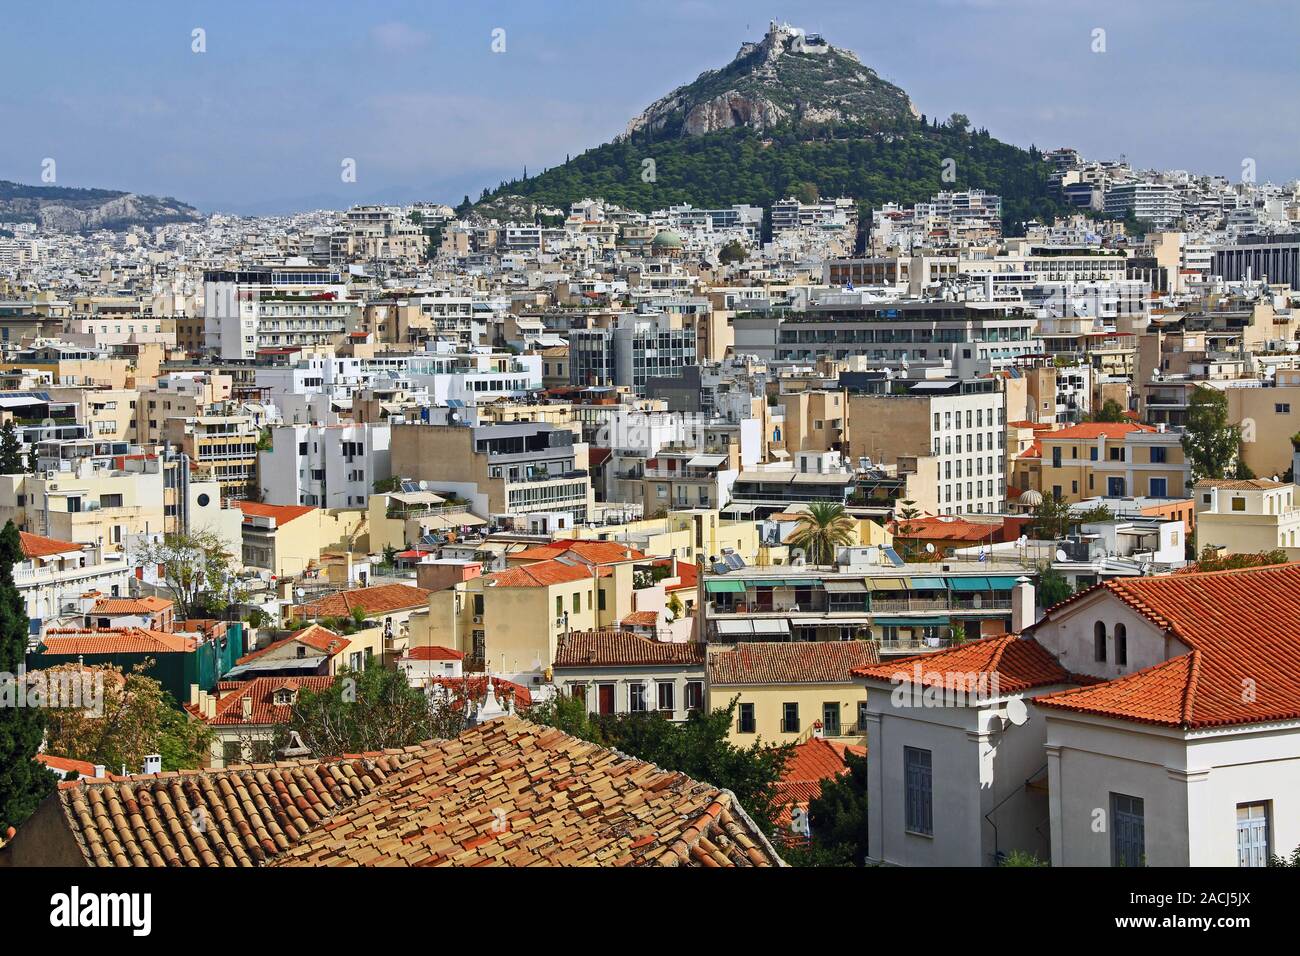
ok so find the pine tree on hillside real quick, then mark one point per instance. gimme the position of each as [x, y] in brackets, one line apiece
[23, 782]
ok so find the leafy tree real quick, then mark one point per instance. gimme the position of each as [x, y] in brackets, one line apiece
[137, 718]
[23, 782]
[1110, 411]
[1210, 560]
[1052, 518]
[837, 820]
[821, 530]
[11, 450]
[1212, 444]
[1053, 588]
[699, 747]
[1094, 514]
[197, 571]
[734, 251]
[1291, 860]
[906, 513]
[362, 712]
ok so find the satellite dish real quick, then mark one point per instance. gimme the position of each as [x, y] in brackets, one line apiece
[1017, 712]
[929, 548]
[1061, 555]
[1022, 540]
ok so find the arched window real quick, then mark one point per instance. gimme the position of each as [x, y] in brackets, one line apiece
[1121, 644]
[1099, 642]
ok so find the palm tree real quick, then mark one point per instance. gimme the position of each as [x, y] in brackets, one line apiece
[823, 528]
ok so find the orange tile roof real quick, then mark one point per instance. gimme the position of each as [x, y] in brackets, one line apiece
[432, 653]
[611, 648]
[143, 605]
[594, 552]
[282, 514]
[1239, 484]
[116, 640]
[641, 619]
[381, 599]
[39, 546]
[1091, 431]
[1018, 663]
[318, 638]
[1242, 629]
[475, 686]
[562, 802]
[261, 691]
[809, 764]
[542, 574]
[791, 662]
[67, 765]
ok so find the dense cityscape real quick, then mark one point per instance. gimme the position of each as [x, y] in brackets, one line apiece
[796, 480]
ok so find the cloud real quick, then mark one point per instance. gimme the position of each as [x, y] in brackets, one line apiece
[397, 37]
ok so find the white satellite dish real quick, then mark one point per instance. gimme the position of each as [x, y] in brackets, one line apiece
[1061, 555]
[1022, 540]
[1017, 712]
[929, 548]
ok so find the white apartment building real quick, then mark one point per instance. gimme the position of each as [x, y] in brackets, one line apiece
[325, 466]
[274, 306]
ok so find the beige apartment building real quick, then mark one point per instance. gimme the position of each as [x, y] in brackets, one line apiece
[222, 448]
[1113, 460]
[1268, 416]
[1247, 516]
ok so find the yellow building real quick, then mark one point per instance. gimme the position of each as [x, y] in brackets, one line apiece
[1113, 460]
[1268, 417]
[790, 691]
[1243, 516]
[288, 539]
[688, 534]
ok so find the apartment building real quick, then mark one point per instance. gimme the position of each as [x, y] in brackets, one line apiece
[636, 347]
[325, 466]
[502, 470]
[1114, 460]
[221, 448]
[273, 306]
[1247, 516]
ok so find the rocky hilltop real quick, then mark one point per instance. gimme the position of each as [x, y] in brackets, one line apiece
[81, 210]
[790, 76]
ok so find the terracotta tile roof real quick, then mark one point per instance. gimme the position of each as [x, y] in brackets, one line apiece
[641, 619]
[611, 648]
[1242, 628]
[809, 763]
[67, 765]
[561, 802]
[381, 599]
[432, 653]
[282, 514]
[475, 687]
[1091, 431]
[261, 691]
[957, 529]
[144, 605]
[39, 546]
[686, 571]
[1239, 484]
[593, 552]
[250, 814]
[791, 662]
[116, 640]
[1019, 663]
[318, 638]
[542, 574]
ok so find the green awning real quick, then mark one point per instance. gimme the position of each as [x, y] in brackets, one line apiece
[886, 584]
[723, 587]
[929, 584]
[969, 584]
[800, 582]
[769, 583]
[1002, 583]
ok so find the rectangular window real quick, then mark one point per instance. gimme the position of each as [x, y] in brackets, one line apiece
[919, 796]
[1253, 836]
[790, 718]
[636, 702]
[666, 691]
[694, 695]
[1158, 487]
[1159, 456]
[1128, 831]
[745, 719]
[862, 715]
[831, 719]
[1238, 504]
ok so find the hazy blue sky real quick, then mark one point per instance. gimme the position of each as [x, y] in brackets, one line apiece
[412, 91]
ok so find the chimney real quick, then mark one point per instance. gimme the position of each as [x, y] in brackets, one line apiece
[152, 763]
[194, 695]
[672, 570]
[1022, 605]
[100, 771]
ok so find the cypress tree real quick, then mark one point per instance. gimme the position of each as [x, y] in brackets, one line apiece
[23, 781]
[11, 450]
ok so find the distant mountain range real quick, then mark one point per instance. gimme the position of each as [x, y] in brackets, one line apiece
[789, 115]
[79, 210]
